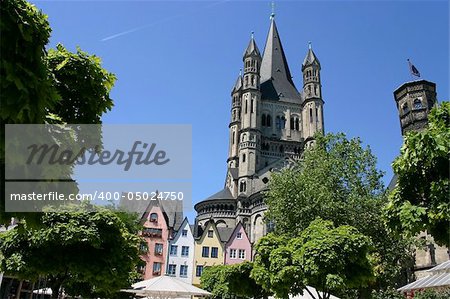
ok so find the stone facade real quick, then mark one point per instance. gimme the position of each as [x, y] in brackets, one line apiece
[271, 124]
[414, 101]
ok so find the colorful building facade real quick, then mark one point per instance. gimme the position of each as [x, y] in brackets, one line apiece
[238, 248]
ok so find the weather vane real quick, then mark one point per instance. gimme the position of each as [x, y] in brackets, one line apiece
[272, 15]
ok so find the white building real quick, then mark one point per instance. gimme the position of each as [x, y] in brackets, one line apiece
[181, 253]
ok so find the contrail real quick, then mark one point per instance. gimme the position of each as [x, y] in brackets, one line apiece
[159, 21]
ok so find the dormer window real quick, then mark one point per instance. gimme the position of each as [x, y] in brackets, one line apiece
[154, 217]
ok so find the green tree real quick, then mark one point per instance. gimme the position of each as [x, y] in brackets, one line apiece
[88, 251]
[420, 200]
[327, 258]
[338, 180]
[229, 281]
[39, 87]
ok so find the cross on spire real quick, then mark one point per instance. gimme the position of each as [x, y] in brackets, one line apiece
[272, 15]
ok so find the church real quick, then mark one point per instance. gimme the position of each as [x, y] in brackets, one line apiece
[271, 123]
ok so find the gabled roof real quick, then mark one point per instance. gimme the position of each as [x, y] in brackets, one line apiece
[179, 231]
[234, 231]
[252, 48]
[225, 233]
[275, 69]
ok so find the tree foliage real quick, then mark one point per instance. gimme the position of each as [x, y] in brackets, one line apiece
[89, 251]
[338, 180]
[40, 86]
[324, 257]
[420, 200]
[229, 281]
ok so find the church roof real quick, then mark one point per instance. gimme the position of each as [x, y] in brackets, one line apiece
[276, 79]
[252, 48]
[310, 58]
[222, 194]
[238, 83]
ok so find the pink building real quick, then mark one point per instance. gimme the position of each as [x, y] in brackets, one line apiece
[156, 234]
[238, 247]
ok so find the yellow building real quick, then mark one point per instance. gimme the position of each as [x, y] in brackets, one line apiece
[208, 251]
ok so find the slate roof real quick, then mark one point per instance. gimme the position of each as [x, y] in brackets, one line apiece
[225, 233]
[252, 48]
[222, 194]
[238, 84]
[310, 58]
[276, 78]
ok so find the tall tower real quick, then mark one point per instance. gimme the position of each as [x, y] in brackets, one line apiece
[312, 91]
[235, 123]
[414, 101]
[249, 133]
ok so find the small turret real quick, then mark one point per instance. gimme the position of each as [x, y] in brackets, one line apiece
[312, 94]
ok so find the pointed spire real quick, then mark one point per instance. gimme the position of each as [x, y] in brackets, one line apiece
[252, 48]
[310, 57]
[238, 83]
[274, 63]
[272, 15]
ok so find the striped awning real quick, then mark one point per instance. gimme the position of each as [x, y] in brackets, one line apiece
[444, 267]
[432, 281]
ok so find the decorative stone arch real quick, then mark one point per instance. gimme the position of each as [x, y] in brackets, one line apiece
[221, 223]
[258, 228]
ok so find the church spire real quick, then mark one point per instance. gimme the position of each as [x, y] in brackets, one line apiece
[252, 48]
[310, 58]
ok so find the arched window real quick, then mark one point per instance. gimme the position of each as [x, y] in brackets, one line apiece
[243, 158]
[263, 120]
[292, 123]
[283, 122]
[154, 217]
[278, 123]
[251, 106]
[269, 121]
[405, 108]
[310, 115]
[297, 124]
[317, 114]
[246, 108]
[417, 104]
[234, 135]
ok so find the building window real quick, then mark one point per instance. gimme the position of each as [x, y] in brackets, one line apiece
[243, 158]
[234, 136]
[242, 254]
[239, 235]
[251, 106]
[154, 217]
[278, 123]
[143, 247]
[158, 249]
[214, 252]
[183, 270]
[152, 232]
[173, 250]
[297, 124]
[405, 108]
[292, 123]
[141, 269]
[310, 115]
[317, 114]
[185, 251]
[156, 268]
[198, 271]
[417, 104]
[263, 120]
[269, 121]
[210, 233]
[283, 122]
[232, 253]
[184, 232]
[172, 270]
[205, 251]
[246, 106]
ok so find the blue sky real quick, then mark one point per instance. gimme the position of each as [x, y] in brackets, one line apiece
[176, 62]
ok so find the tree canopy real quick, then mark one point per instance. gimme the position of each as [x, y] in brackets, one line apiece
[229, 281]
[89, 251]
[325, 257]
[420, 199]
[338, 180]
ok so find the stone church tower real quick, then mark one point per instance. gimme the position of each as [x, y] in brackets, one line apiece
[414, 101]
[271, 123]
